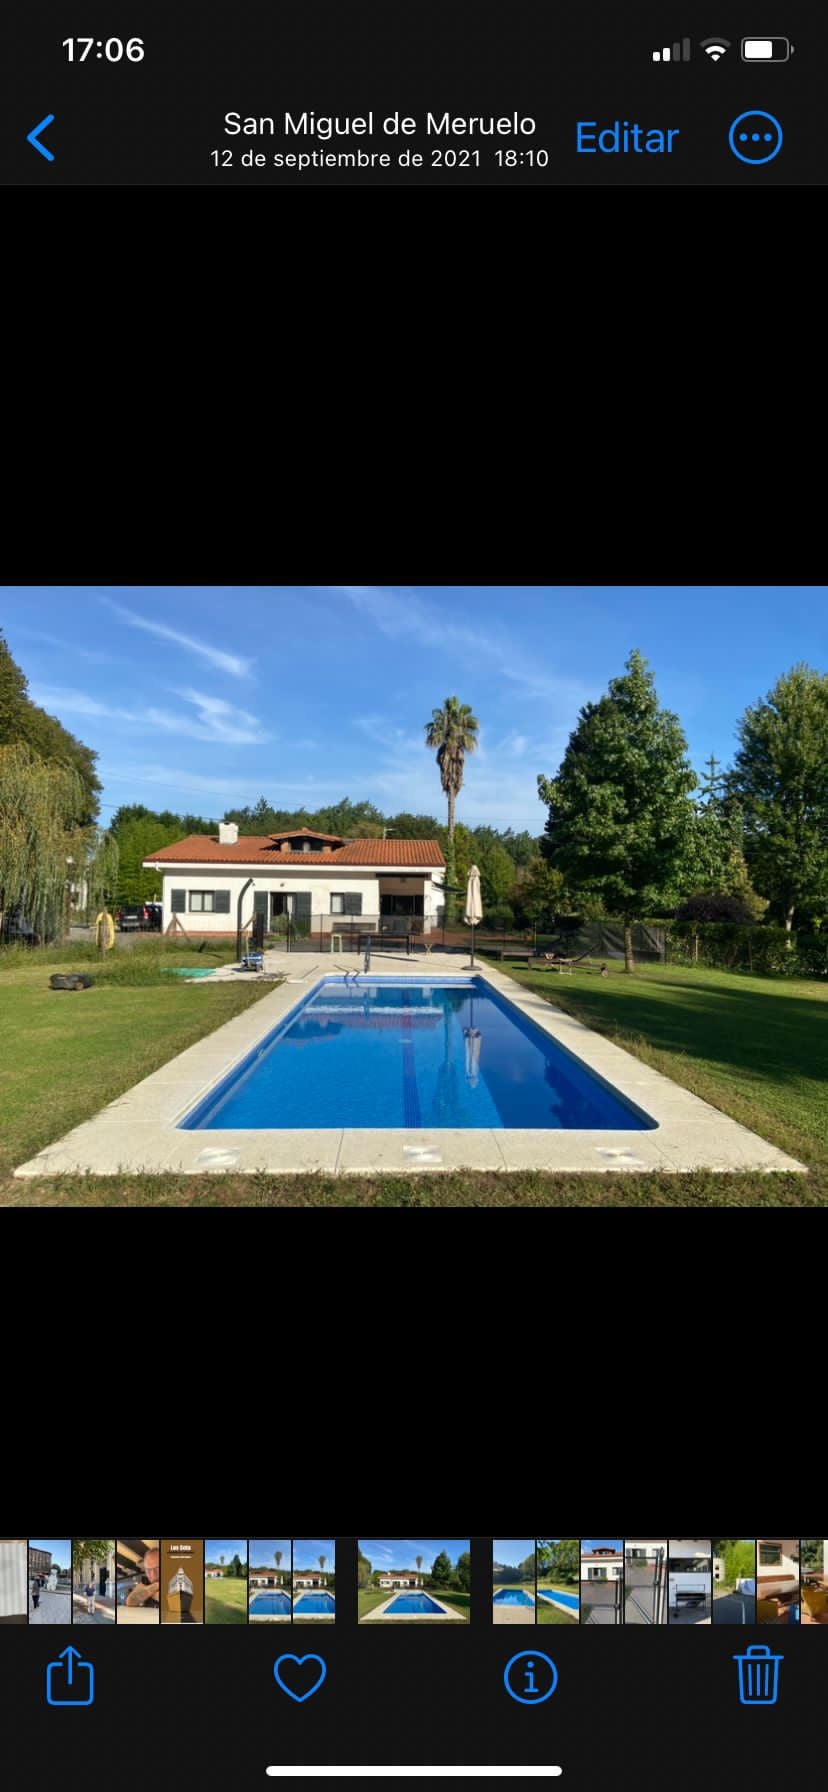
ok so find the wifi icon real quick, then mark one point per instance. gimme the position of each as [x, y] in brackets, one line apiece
[715, 47]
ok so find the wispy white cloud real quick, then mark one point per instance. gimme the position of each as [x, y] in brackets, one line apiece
[234, 663]
[407, 615]
[72, 647]
[215, 719]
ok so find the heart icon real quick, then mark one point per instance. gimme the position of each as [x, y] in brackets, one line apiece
[299, 1661]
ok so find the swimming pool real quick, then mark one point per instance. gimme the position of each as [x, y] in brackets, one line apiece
[570, 1600]
[415, 1054]
[270, 1605]
[513, 1596]
[314, 1602]
[412, 1602]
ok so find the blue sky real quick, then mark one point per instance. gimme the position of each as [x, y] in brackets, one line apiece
[263, 1551]
[205, 698]
[307, 1550]
[217, 1546]
[384, 1552]
[590, 1543]
[511, 1552]
[61, 1551]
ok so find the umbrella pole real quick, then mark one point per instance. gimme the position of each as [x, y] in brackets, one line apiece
[472, 945]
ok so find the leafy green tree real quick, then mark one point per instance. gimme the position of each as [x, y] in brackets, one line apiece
[780, 776]
[558, 1558]
[39, 803]
[497, 876]
[136, 839]
[235, 1569]
[619, 808]
[452, 733]
[23, 722]
[364, 1570]
[463, 1571]
[538, 892]
[412, 827]
[441, 1571]
[89, 1549]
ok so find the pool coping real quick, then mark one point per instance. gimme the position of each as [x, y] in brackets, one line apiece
[138, 1132]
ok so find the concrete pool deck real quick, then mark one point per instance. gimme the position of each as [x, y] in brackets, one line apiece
[138, 1133]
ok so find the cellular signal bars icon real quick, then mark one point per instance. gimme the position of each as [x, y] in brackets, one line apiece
[679, 53]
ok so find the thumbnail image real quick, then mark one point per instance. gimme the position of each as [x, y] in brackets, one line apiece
[138, 1579]
[558, 1573]
[182, 1580]
[93, 1580]
[13, 1570]
[734, 1580]
[50, 1580]
[405, 1582]
[270, 1586]
[225, 1580]
[814, 1565]
[314, 1580]
[690, 1580]
[645, 1581]
[513, 1580]
[602, 1579]
[777, 1580]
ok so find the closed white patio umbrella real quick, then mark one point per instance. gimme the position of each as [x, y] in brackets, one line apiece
[473, 913]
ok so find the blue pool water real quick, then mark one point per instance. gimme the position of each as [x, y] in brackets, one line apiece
[568, 1599]
[314, 1602]
[379, 1053]
[270, 1605]
[412, 1602]
[513, 1596]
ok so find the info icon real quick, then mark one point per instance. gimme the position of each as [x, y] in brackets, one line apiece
[530, 1678]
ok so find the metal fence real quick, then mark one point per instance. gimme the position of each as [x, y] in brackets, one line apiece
[415, 933]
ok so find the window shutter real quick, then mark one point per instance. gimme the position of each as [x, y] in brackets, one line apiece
[260, 903]
[353, 902]
[221, 902]
[302, 905]
[179, 899]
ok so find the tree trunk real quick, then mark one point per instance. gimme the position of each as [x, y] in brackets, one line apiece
[451, 814]
[789, 915]
[629, 961]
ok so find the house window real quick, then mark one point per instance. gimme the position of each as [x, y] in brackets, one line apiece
[209, 902]
[770, 1555]
[348, 902]
[401, 905]
[178, 900]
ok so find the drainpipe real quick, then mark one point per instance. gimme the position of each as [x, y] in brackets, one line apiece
[242, 893]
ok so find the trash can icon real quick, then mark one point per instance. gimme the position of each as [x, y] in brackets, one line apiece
[758, 1675]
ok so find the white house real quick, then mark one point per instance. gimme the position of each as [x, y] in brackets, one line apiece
[601, 1564]
[399, 1577]
[310, 1577]
[322, 882]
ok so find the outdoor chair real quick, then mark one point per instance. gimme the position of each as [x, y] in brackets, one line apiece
[816, 1600]
[557, 961]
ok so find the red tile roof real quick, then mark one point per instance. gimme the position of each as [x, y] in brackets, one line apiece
[263, 849]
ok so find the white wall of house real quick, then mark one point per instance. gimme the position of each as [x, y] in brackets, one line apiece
[777, 1564]
[321, 883]
[13, 1579]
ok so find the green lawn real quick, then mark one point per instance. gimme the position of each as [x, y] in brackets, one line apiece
[753, 1047]
[551, 1614]
[225, 1601]
[368, 1601]
[65, 1054]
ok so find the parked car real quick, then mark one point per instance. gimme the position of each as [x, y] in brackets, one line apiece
[143, 916]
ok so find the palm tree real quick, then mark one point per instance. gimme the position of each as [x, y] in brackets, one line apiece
[221, 1563]
[322, 1561]
[452, 731]
[278, 1558]
[419, 1560]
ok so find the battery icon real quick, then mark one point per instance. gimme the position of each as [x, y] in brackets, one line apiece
[766, 49]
